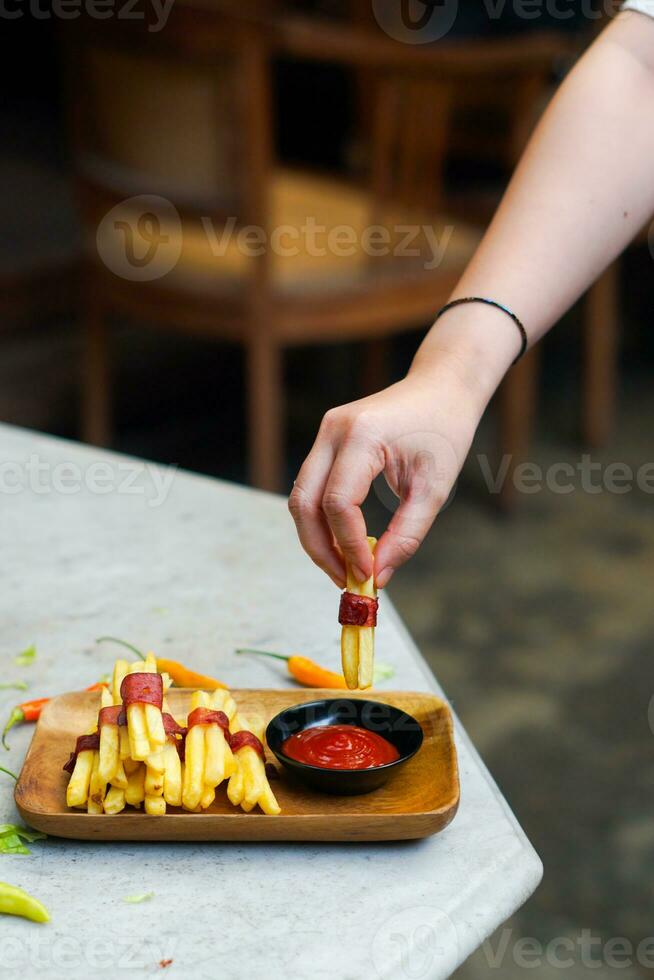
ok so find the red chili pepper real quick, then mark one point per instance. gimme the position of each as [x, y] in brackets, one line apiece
[30, 711]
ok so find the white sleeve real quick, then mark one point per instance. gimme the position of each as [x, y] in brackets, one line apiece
[644, 6]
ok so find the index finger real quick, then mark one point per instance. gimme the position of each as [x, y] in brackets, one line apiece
[354, 469]
[305, 504]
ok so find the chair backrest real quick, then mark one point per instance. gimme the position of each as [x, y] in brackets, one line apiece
[184, 113]
[414, 111]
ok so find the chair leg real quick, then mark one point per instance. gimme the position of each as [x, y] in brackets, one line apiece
[376, 367]
[96, 404]
[517, 406]
[600, 342]
[265, 397]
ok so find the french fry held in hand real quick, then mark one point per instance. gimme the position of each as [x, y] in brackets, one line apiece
[358, 629]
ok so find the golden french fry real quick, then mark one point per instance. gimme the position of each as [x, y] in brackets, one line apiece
[172, 789]
[366, 656]
[139, 743]
[214, 762]
[121, 667]
[109, 752]
[124, 743]
[358, 642]
[130, 766]
[154, 727]
[114, 801]
[254, 776]
[350, 655]
[235, 790]
[268, 802]
[155, 761]
[97, 785]
[120, 777]
[109, 743]
[222, 700]
[135, 792]
[155, 806]
[77, 791]
[208, 796]
[193, 785]
[154, 782]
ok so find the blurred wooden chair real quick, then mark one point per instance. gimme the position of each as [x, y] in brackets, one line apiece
[39, 254]
[186, 115]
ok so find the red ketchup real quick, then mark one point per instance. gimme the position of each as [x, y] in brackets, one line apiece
[340, 747]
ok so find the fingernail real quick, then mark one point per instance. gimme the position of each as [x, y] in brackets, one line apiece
[358, 574]
[384, 577]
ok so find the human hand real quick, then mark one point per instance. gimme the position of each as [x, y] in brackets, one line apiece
[417, 433]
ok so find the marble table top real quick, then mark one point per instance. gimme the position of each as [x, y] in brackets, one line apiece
[95, 543]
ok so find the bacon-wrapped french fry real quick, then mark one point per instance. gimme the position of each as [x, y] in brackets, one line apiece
[109, 750]
[77, 791]
[249, 785]
[123, 760]
[193, 783]
[358, 632]
[144, 722]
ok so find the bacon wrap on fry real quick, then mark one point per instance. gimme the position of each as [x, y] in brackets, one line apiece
[207, 716]
[142, 688]
[240, 739]
[357, 610]
[113, 715]
[170, 725]
[84, 743]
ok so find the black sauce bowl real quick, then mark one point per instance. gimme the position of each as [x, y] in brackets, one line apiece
[400, 728]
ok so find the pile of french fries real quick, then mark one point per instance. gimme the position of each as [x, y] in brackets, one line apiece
[138, 764]
[358, 642]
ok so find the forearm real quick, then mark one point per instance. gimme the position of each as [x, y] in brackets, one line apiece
[584, 188]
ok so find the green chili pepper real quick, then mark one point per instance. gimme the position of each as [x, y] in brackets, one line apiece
[14, 901]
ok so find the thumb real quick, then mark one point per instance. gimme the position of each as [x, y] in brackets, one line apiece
[420, 502]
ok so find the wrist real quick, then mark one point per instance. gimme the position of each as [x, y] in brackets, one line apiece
[479, 342]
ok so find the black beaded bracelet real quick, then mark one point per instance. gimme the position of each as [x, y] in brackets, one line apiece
[498, 306]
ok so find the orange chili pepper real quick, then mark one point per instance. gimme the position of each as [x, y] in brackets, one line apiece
[180, 675]
[31, 711]
[305, 671]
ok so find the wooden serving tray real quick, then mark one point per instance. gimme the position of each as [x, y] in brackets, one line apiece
[420, 799]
